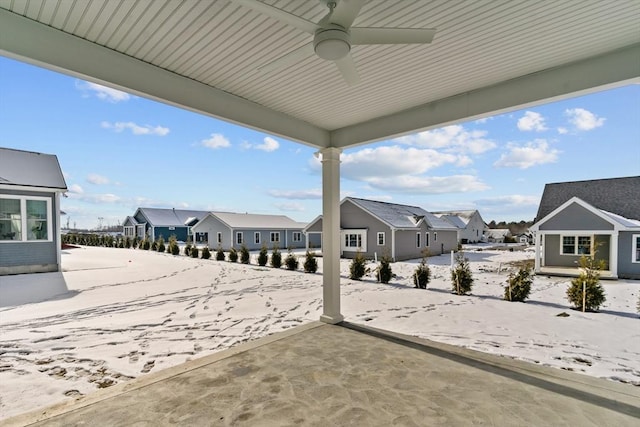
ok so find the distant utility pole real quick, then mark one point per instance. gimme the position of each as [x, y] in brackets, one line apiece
[100, 219]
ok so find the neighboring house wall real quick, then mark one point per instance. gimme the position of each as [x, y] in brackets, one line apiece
[474, 230]
[181, 233]
[213, 226]
[576, 217]
[32, 256]
[629, 255]
[445, 242]
[354, 219]
[553, 256]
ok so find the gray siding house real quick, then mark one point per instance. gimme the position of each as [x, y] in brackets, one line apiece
[227, 230]
[469, 223]
[379, 228]
[156, 222]
[606, 225]
[30, 188]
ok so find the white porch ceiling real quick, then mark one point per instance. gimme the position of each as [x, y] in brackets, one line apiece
[487, 57]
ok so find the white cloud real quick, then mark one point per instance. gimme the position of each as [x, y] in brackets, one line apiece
[563, 130]
[514, 200]
[216, 141]
[429, 185]
[536, 152]
[96, 179]
[102, 92]
[531, 121]
[269, 144]
[453, 139]
[136, 129]
[75, 188]
[290, 207]
[314, 193]
[583, 119]
[95, 198]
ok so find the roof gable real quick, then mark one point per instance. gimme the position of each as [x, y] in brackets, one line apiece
[30, 169]
[617, 224]
[400, 216]
[170, 217]
[620, 196]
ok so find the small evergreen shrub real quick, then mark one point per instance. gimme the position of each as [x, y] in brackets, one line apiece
[219, 254]
[263, 256]
[233, 255]
[519, 285]
[461, 277]
[357, 269]
[422, 275]
[160, 246]
[311, 263]
[276, 257]
[154, 245]
[135, 242]
[146, 244]
[187, 249]
[589, 275]
[194, 252]
[173, 248]
[291, 261]
[206, 253]
[127, 242]
[244, 254]
[384, 270]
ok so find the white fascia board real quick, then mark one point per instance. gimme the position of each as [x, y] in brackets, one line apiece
[33, 188]
[601, 72]
[29, 41]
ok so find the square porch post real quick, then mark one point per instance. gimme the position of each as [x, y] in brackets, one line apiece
[331, 235]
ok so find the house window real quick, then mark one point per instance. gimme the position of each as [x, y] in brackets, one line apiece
[576, 245]
[256, 237]
[24, 219]
[353, 240]
[426, 238]
[418, 243]
[239, 237]
[275, 236]
[381, 238]
[636, 247]
[435, 237]
[297, 236]
[219, 237]
[128, 231]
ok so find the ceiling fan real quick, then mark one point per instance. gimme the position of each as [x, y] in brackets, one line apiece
[333, 35]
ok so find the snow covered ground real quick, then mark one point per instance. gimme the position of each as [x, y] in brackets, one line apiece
[128, 312]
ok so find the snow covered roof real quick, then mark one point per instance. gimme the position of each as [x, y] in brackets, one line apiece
[30, 169]
[170, 217]
[401, 216]
[464, 215]
[258, 221]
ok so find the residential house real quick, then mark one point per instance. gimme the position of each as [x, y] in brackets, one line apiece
[227, 230]
[469, 223]
[156, 222]
[596, 217]
[30, 188]
[380, 228]
[497, 235]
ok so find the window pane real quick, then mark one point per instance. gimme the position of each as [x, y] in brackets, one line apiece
[568, 244]
[10, 220]
[637, 249]
[584, 245]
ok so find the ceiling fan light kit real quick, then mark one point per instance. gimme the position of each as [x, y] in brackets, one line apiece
[332, 43]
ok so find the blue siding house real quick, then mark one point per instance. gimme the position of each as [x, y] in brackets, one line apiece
[30, 188]
[156, 222]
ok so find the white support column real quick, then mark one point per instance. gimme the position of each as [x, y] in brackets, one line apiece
[613, 254]
[538, 251]
[331, 235]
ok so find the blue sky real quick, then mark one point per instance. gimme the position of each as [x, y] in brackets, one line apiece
[119, 152]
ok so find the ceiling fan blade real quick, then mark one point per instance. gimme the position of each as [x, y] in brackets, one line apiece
[391, 35]
[346, 12]
[279, 14]
[348, 69]
[290, 58]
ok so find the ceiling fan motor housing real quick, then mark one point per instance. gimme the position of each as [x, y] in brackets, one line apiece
[332, 43]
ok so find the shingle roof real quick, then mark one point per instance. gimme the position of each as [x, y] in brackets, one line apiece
[30, 169]
[454, 219]
[401, 216]
[170, 217]
[620, 196]
[258, 221]
[464, 215]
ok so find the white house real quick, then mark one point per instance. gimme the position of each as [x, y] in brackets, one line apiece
[469, 223]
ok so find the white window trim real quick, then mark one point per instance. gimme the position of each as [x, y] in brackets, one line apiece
[575, 244]
[384, 238]
[363, 240]
[418, 240]
[24, 219]
[239, 237]
[634, 248]
[297, 236]
[256, 238]
[271, 236]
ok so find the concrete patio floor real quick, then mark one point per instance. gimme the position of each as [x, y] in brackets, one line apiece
[326, 375]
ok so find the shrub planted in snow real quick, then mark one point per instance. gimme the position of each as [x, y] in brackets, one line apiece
[194, 252]
[206, 253]
[594, 292]
[219, 254]
[384, 270]
[310, 263]
[422, 275]
[358, 268]
[160, 246]
[145, 244]
[291, 261]
[173, 248]
[276, 257]
[187, 249]
[244, 254]
[461, 277]
[233, 255]
[519, 285]
[263, 256]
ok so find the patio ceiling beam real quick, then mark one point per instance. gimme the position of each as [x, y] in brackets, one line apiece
[601, 72]
[29, 41]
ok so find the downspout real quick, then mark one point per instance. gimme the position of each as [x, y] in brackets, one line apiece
[58, 236]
